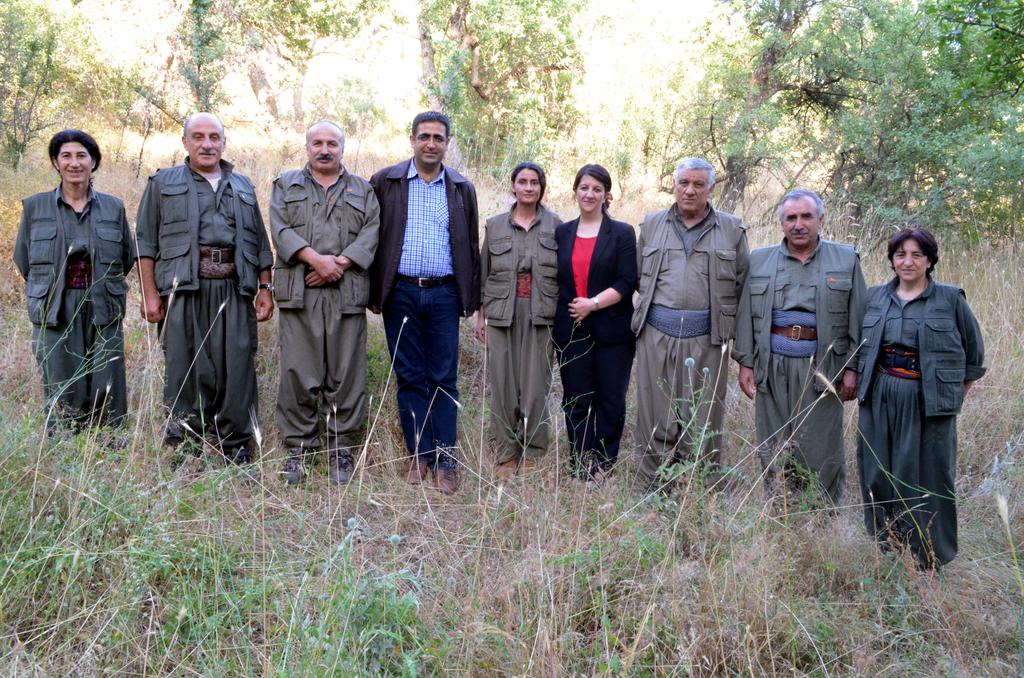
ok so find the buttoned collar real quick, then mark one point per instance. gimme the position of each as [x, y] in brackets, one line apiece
[893, 284]
[414, 173]
[785, 250]
[225, 170]
[307, 172]
[59, 197]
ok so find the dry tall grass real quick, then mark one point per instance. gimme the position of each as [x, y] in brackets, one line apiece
[118, 559]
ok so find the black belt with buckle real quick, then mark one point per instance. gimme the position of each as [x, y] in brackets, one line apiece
[426, 282]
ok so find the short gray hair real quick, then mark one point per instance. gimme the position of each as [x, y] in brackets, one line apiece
[188, 120]
[333, 124]
[695, 164]
[797, 194]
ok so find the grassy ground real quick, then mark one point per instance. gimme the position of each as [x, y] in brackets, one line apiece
[118, 558]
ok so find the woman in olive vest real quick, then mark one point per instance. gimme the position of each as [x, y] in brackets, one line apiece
[518, 274]
[74, 248]
[922, 351]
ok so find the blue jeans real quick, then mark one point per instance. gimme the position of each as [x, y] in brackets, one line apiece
[425, 352]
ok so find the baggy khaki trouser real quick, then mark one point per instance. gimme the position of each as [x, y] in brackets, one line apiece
[907, 467]
[82, 364]
[323, 372]
[210, 340]
[519, 365]
[798, 425]
[678, 407]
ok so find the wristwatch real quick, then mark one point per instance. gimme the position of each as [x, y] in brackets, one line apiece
[597, 304]
[267, 286]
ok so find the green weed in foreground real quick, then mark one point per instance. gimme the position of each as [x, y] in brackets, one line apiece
[123, 575]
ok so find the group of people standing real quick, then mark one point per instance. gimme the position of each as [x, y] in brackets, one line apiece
[806, 332]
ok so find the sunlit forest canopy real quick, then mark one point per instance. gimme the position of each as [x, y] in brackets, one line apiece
[910, 112]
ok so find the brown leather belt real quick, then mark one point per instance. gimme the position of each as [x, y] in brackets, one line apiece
[426, 282]
[216, 262]
[78, 274]
[796, 332]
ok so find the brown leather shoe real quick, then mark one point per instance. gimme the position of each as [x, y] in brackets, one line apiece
[447, 480]
[418, 470]
[507, 469]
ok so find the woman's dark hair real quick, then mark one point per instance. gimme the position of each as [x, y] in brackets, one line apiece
[924, 240]
[540, 175]
[600, 174]
[69, 136]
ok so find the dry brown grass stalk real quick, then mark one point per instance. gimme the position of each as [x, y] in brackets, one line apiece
[123, 560]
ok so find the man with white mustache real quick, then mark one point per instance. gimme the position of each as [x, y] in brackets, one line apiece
[324, 222]
[798, 330]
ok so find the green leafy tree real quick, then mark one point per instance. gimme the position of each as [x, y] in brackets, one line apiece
[998, 27]
[503, 71]
[203, 31]
[291, 32]
[31, 71]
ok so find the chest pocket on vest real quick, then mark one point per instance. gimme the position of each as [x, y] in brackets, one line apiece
[247, 223]
[109, 247]
[839, 286]
[174, 208]
[758, 292]
[40, 246]
[870, 326]
[725, 264]
[295, 209]
[548, 254]
[500, 252]
[650, 259]
[355, 215]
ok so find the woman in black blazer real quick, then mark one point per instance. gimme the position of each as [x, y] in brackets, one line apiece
[596, 279]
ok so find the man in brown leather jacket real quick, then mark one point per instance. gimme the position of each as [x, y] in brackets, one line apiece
[426, 274]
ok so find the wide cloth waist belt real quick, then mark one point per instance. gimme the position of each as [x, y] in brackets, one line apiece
[784, 343]
[524, 285]
[78, 274]
[899, 363]
[426, 282]
[678, 323]
[216, 262]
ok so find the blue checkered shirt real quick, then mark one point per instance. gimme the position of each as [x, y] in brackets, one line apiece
[427, 248]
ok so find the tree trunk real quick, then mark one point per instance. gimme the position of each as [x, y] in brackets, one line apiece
[454, 155]
[262, 89]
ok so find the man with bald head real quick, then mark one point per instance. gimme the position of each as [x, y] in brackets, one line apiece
[324, 222]
[205, 262]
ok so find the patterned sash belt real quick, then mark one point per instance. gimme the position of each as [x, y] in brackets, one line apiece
[78, 274]
[899, 363]
[786, 345]
[677, 323]
[524, 285]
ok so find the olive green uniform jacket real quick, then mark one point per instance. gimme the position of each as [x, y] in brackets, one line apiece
[322, 330]
[519, 349]
[76, 334]
[680, 409]
[798, 414]
[209, 331]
